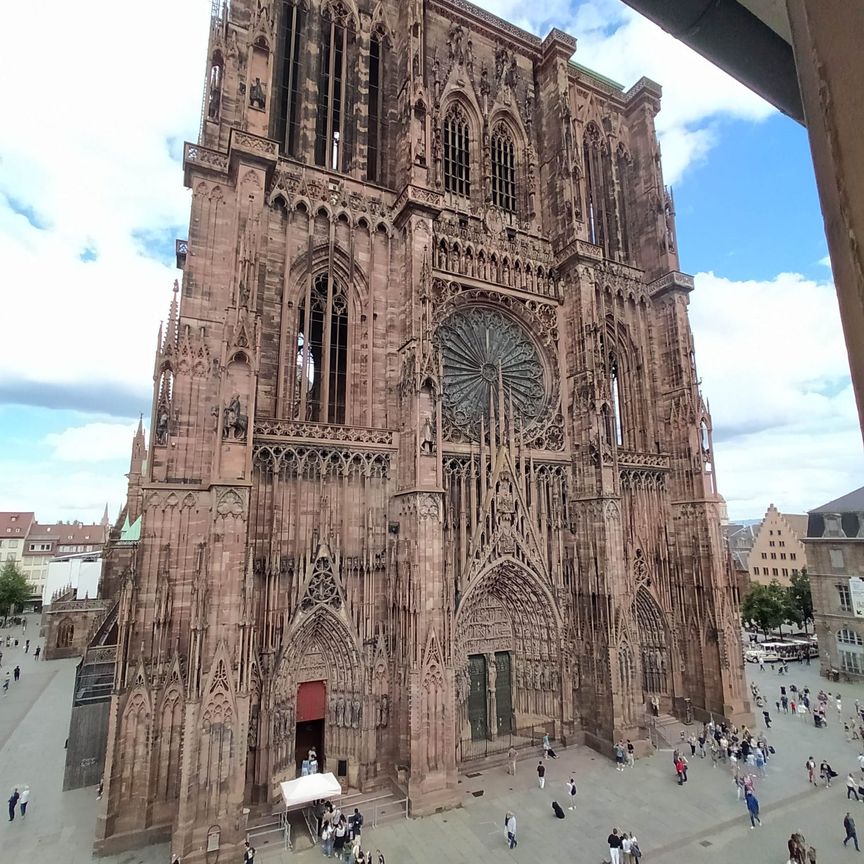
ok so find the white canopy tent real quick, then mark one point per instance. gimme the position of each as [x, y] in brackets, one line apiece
[312, 787]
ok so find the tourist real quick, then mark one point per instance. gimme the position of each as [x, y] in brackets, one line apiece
[571, 791]
[839, 703]
[702, 739]
[101, 788]
[681, 770]
[851, 788]
[357, 822]
[753, 810]
[810, 765]
[548, 752]
[851, 834]
[635, 851]
[541, 775]
[625, 848]
[248, 853]
[559, 813]
[614, 842]
[767, 717]
[6, 683]
[327, 840]
[510, 828]
[17, 672]
[692, 742]
[655, 706]
[340, 835]
[36, 652]
[619, 756]
[24, 800]
[13, 800]
[826, 772]
[511, 758]
[631, 754]
[27, 647]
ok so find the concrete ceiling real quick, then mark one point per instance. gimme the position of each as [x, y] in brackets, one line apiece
[771, 13]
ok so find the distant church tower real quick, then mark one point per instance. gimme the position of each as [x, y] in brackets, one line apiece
[429, 462]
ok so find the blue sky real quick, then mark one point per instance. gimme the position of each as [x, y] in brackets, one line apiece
[88, 220]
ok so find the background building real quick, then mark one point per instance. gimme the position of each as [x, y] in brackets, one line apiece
[14, 528]
[739, 540]
[778, 551]
[81, 573]
[835, 555]
[429, 462]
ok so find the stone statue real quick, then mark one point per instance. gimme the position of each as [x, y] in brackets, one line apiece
[214, 104]
[385, 711]
[257, 99]
[234, 422]
[340, 711]
[454, 40]
[427, 438]
[162, 425]
[356, 710]
[420, 152]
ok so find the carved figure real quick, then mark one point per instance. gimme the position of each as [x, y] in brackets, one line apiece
[454, 41]
[340, 712]
[234, 422]
[162, 421]
[427, 438]
[257, 98]
[356, 709]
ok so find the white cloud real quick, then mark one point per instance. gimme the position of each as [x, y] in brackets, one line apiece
[92, 442]
[775, 372]
[623, 45]
[826, 261]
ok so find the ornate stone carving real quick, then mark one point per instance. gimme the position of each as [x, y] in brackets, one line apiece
[321, 431]
[234, 421]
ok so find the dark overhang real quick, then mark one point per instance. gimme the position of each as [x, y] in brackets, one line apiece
[736, 40]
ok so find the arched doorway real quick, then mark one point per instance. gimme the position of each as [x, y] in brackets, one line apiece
[507, 653]
[654, 652]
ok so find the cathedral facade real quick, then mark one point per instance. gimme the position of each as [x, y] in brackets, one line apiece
[429, 462]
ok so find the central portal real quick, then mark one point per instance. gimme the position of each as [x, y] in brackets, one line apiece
[490, 695]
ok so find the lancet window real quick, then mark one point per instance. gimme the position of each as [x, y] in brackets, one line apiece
[330, 127]
[457, 156]
[322, 353]
[595, 158]
[503, 170]
[376, 113]
[615, 391]
[288, 76]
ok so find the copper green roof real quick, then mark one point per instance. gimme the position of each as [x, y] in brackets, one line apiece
[597, 75]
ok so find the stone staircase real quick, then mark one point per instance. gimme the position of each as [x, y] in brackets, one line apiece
[667, 731]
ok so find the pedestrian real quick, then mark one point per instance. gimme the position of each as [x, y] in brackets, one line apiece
[248, 853]
[635, 851]
[767, 717]
[681, 770]
[851, 788]
[357, 822]
[27, 647]
[327, 840]
[631, 754]
[849, 825]
[36, 652]
[17, 672]
[512, 753]
[6, 683]
[510, 828]
[619, 756]
[810, 765]
[24, 800]
[614, 841]
[839, 704]
[571, 791]
[101, 787]
[655, 706]
[559, 813]
[692, 742]
[625, 848]
[548, 752]
[13, 800]
[753, 810]
[702, 739]
[541, 775]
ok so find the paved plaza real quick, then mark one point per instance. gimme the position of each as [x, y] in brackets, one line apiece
[701, 821]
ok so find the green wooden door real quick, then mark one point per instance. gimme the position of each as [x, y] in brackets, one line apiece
[477, 697]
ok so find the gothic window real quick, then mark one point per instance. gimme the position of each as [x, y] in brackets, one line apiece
[503, 170]
[599, 190]
[65, 634]
[376, 58]
[214, 96]
[330, 127]
[624, 186]
[288, 76]
[615, 390]
[457, 163]
[322, 353]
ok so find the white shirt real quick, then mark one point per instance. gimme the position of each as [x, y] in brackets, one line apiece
[625, 845]
[24, 797]
[861, 760]
[511, 825]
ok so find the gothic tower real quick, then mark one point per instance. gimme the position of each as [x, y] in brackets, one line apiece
[429, 463]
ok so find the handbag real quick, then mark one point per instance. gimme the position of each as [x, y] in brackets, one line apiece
[771, 749]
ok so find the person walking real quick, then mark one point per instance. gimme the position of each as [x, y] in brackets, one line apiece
[851, 834]
[248, 853]
[614, 841]
[548, 752]
[6, 683]
[619, 756]
[631, 754]
[13, 800]
[767, 718]
[27, 647]
[24, 800]
[635, 851]
[357, 822]
[510, 828]
[571, 792]
[512, 753]
[753, 810]
[851, 788]
[36, 652]
[17, 672]
[810, 765]
[541, 775]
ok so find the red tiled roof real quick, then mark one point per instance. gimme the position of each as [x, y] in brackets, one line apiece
[13, 520]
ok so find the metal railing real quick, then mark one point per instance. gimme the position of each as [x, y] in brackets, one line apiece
[480, 748]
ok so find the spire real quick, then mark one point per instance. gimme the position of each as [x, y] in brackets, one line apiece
[104, 523]
[139, 450]
[169, 333]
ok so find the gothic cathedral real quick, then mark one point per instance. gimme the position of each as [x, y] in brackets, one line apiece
[429, 461]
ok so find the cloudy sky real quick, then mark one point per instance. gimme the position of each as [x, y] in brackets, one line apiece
[91, 200]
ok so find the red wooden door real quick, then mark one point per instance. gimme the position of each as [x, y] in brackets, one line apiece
[311, 701]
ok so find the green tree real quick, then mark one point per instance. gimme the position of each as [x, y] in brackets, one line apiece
[14, 590]
[800, 600]
[765, 606]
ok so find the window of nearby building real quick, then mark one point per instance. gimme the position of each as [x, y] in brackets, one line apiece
[771, 532]
[770, 542]
[850, 662]
[782, 556]
[764, 554]
[792, 556]
[851, 650]
[764, 571]
[457, 164]
[837, 560]
[779, 532]
[845, 597]
[785, 571]
[755, 571]
[503, 169]
[794, 571]
[849, 637]
[782, 542]
[774, 571]
[773, 556]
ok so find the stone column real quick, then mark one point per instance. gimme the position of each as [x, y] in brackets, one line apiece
[491, 696]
